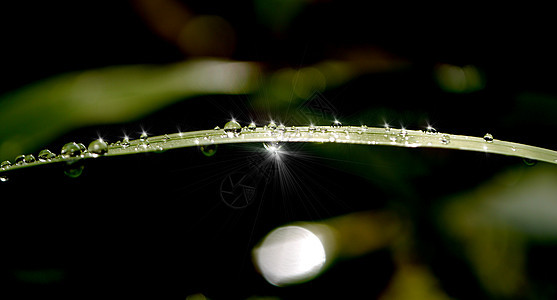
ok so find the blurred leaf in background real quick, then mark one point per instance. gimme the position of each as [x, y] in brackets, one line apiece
[35, 115]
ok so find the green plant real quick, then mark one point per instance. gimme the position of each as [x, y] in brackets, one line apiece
[272, 136]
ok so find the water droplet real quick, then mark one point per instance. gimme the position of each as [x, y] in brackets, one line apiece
[165, 138]
[4, 178]
[336, 124]
[363, 129]
[272, 126]
[430, 130]
[143, 137]
[323, 130]
[74, 169]
[488, 138]
[281, 128]
[311, 129]
[445, 139]
[98, 148]
[5, 164]
[392, 137]
[208, 150]
[46, 155]
[252, 126]
[232, 128]
[272, 147]
[216, 128]
[82, 148]
[29, 158]
[70, 150]
[19, 160]
[125, 142]
[513, 149]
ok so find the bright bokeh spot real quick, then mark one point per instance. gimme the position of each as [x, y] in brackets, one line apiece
[290, 255]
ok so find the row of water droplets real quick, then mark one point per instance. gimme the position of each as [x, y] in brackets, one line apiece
[232, 129]
[70, 153]
[402, 136]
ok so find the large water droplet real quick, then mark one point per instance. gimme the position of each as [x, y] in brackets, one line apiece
[98, 147]
[19, 160]
[5, 164]
[252, 126]
[70, 150]
[46, 155]
[29, 158]
[232, 128]
[208, 150]
[281, 128]
[488, 138]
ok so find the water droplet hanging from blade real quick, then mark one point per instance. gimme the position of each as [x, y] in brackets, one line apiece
[208, 150]
[74, 169]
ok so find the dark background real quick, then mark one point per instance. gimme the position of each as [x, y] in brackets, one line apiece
[153, 224]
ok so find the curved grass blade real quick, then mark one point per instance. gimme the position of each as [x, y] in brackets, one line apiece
[313, 134]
